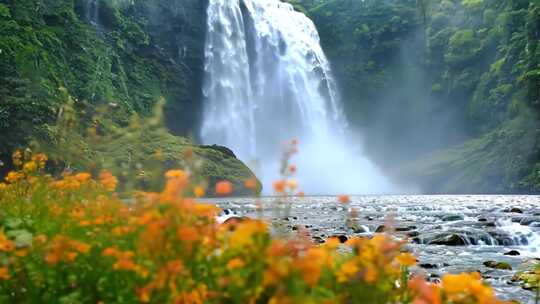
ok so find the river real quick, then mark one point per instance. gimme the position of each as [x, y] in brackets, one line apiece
[448, 233]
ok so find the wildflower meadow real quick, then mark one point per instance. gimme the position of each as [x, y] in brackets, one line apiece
[73, 239]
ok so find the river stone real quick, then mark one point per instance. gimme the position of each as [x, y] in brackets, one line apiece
[413, 233]
[528, 280]
[342, 238]
[528, 221]
[381, 228]
[453, 217]
[427, 266]
[497, 265]
[359, 229]
[513, 210]
[405, 229]
[448, 240]
[512, 253]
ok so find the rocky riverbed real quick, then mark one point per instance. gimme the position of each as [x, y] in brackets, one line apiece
[499, 236]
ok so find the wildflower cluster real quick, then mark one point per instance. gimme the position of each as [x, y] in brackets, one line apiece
[73, 240]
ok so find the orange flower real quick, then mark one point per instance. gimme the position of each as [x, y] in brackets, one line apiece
[224, 188]
[199, 191]
[110, 252]
[108, 180]
[344, 199]
[425, 293]
[251, 184]
[83, 177]
[347, 271]
[312, 264]
[279, 186]
[188, 234]
[40, 239]
[6, 245]
[80, 247]
[144, 294]
[235, 263]
[4, 273]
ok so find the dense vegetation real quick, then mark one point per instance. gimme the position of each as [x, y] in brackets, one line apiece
[451, 87]
[74, 70]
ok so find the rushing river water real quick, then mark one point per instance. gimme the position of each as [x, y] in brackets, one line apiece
[449, 234]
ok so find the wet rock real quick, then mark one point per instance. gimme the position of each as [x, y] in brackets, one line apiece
[528, 221]
[359, 229]
[528, 280]
[482, 219]
[318, 239]
[453, 217]
[413, 233]
[448, 240]
[381, 228]
[342, 238]
[513, 210]
[427, 266]
[512, 253]
[497, 265]
[404, 229]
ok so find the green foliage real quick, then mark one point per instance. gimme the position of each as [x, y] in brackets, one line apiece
[426, 76]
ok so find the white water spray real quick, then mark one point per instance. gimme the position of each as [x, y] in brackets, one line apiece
[267, 81]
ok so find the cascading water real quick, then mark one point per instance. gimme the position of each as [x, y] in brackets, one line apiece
[267, 81]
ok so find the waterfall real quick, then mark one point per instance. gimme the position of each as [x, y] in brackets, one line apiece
[267, 80]
[92, 12]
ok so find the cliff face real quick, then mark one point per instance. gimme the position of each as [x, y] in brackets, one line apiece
[69, 66]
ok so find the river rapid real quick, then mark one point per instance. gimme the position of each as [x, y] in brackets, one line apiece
[448, 234]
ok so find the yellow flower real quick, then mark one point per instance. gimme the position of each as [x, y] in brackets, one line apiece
[13, 177]
[279, 186]
[406, 259]
[30, 166]
[245, 233]
[199, 191]
[292, 184]
[348, 270]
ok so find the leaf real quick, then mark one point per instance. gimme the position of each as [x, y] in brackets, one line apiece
[22, 237]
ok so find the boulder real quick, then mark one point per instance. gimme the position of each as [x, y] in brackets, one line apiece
[497, 265]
